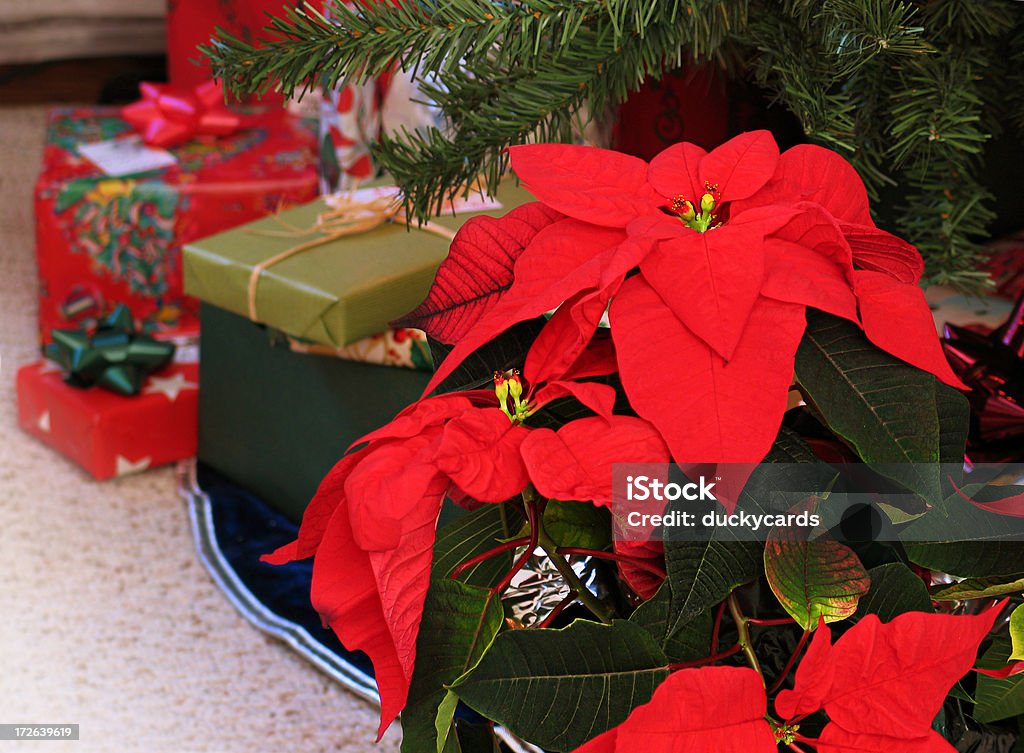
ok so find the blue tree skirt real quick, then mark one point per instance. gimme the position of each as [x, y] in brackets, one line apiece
[232, 528]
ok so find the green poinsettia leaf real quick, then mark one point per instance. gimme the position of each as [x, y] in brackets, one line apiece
[884, 408]
[895, 589]
[471, 534]
[821, 578]
[954, 414]
[702, 573]
[789, 447]
[506, 351]
[690, 641]
[459, 625]
[1017, 634]
[559, 688]
[979, 588]
[444, 725]
[968, 559]
[578, 524]
[898, 515]
[998, 698]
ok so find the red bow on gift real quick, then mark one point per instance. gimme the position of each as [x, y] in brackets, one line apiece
[167, 115]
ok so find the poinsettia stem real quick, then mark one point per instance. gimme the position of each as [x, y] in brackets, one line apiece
[796, 748]
[614, 556]
[503, 547]
[717, 626]
[743, 629]
[591, 602]
[531, 546]
[559, 608]
[707, 659]
[789, 664]
[770, 623]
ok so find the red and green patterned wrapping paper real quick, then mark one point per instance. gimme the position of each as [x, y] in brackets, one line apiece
[104, 240]
[107, 434]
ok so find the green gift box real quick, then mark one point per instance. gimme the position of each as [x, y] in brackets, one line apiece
[333, 293]
[274, 421]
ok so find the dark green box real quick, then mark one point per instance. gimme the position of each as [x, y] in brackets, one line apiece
[274, 421]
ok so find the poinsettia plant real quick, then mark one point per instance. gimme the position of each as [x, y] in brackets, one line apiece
[707, 312]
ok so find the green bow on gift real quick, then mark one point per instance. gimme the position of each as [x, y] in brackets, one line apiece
[114, 356]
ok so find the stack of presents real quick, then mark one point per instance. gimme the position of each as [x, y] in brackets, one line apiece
[196, 298]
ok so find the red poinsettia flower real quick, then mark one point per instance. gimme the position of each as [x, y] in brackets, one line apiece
[883, 270]
[730, 247]
[881, 686]
[371, 525]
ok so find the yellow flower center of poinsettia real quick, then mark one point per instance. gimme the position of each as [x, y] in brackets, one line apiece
[508, 385]
[706, 219]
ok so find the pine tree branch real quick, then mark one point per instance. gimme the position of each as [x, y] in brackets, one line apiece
[908, 90]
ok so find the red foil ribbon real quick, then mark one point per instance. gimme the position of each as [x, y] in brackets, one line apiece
[167, 116]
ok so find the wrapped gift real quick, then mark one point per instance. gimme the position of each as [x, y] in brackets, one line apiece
[275, 421]
[400, 347]
[349, 123]
[354, 116]
[191, 23]
[106, 433]
[689, 104]
[292, 271]
[112, 213]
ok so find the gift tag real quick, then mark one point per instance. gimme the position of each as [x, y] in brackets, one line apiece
[126, 156]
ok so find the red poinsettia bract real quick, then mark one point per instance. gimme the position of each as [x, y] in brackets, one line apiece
[707, 710]
[730, 246]
[371, 524]
[881, 686]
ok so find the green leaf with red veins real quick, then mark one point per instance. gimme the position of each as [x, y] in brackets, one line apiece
[815, 579]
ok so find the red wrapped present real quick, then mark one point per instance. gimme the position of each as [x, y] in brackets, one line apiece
[112, 214]
[690, 104]
[191, 23]
[108, 434]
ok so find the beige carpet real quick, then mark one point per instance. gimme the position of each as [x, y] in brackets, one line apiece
[107, 618]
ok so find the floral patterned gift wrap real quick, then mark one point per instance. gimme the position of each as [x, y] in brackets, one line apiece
[112, 214]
